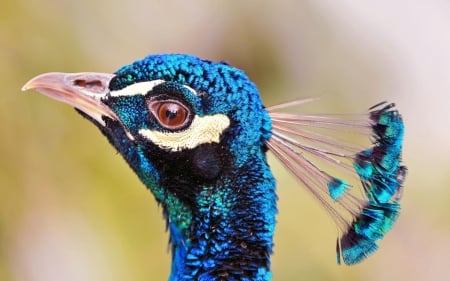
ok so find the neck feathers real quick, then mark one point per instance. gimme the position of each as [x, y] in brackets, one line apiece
[221, 216]
[230, 237]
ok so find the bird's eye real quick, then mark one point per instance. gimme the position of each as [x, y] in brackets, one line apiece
[170, 114]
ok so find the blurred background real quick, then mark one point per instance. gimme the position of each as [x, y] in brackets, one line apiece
[71, 209]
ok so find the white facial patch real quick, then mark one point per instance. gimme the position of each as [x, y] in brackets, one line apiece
[206, 129]
[142, 88]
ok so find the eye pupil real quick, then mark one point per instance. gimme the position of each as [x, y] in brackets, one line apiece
[172, 115]
[171, 112]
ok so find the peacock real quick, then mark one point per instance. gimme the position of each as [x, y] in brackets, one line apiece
[197, 134]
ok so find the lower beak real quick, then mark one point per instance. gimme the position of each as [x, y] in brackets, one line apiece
[83, 91]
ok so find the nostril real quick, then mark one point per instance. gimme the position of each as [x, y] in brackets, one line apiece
[95, 86]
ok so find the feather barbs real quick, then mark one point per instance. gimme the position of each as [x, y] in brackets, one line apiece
[311, 148]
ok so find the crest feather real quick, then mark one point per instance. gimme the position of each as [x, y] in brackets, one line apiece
[329, 165]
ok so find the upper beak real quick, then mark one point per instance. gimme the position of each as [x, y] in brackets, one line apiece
[81, 90]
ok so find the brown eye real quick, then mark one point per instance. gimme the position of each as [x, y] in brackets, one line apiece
[170, 114]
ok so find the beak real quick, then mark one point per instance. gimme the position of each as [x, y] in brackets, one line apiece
[83, 91]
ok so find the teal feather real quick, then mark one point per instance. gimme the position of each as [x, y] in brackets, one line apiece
[337, 188]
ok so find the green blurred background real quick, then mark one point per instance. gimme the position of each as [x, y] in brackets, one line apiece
[70, 209]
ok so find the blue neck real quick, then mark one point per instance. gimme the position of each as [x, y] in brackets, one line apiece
[226, 232]
[230, 237]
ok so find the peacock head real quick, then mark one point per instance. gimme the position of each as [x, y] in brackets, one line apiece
[190, 117]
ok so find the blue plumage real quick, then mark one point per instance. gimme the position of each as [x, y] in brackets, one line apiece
[196, 133]
[215, 230]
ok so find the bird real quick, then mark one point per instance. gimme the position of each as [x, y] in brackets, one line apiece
[197, 135]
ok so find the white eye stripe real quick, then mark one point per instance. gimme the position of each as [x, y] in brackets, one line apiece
[142, 88]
